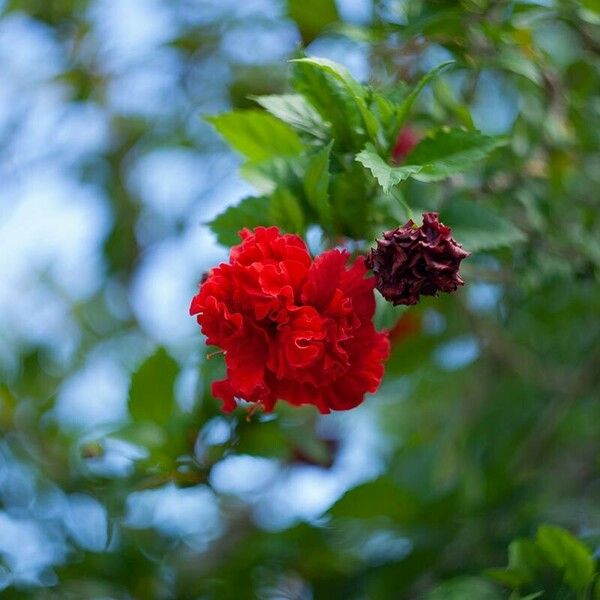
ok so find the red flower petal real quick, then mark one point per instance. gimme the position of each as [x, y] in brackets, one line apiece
[293, 329]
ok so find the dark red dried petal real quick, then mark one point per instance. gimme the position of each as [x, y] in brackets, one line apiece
[410, 261]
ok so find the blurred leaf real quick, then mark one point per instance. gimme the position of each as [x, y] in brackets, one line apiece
[386, 175]
[524, 558]
[316, 185]
[145, 434]
[350, 202]
[384, 108]
[262, 439]
[374, 499]
[529, 561]
[436, 20]
[523, 565]
[311, 450]
[403, 110]
[151, 395]
[250, 212]
[446, 152]
[568, 554]
[354, 91]
[337, 71]
[513, 60]
[294, 110]
[359, 33]
[312, 16]
[461, 588]
[511, 578]
[285, 211]
[478, 227]
[281, 208]
[332, 101]
[267, 175]
[256, 134]
[593, 5]
[255, 80]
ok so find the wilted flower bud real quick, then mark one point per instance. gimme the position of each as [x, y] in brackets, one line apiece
[411, 261]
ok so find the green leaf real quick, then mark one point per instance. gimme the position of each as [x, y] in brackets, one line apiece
[250, 212]
[355, 91]
[262, 439]
[337, 71]
[312, 16]
[449, 151]
[380, 497]
[146, 434]
[524, 563]
[332, 101]
[524, 558]
[566, 553]
[386, 175]
[267, 175]
[350, 202]
[256, 134]
[511, 578]
[151, 396]
[294, 110]
[316, 185]
[593, 5]
[285, 211]
[292, 186]
[461, 588]
[515, 61]
[403, 110]
[436, 20]
[478, 227]
[384, 108]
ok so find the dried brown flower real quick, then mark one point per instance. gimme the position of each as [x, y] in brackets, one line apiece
[411, 261]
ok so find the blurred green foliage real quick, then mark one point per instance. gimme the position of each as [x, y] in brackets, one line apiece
[487, 421]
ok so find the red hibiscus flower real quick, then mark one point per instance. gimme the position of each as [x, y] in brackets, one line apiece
[291, 328]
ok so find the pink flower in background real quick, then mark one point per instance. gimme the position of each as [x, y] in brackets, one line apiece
[407, 139]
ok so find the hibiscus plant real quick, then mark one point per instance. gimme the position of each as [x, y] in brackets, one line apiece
[300, 299]
[326, 157]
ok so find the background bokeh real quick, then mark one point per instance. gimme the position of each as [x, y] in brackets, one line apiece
[487, 422]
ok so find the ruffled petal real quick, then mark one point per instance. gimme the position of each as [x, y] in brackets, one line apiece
[292, 329]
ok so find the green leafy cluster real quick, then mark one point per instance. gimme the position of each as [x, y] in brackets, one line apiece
[486, 423]
[554, 564]
[304, 156]
[553, 561]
